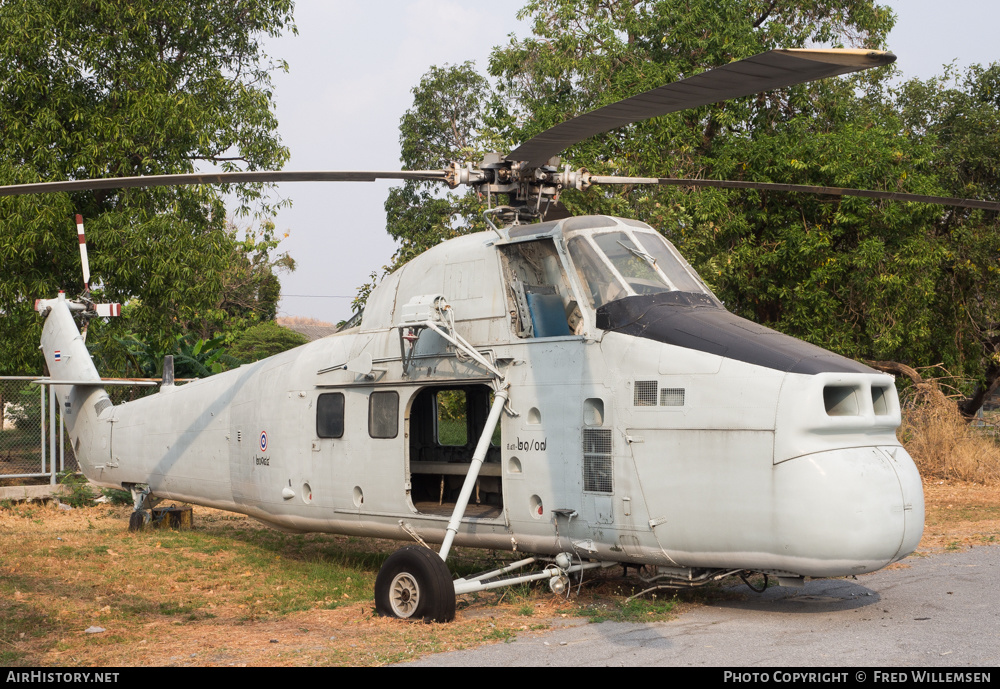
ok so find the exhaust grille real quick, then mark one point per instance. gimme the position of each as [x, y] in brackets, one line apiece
[645, 393]
[598, 469]
[672, 397]
[102, 404]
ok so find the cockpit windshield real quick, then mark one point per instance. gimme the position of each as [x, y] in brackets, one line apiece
[622, 262]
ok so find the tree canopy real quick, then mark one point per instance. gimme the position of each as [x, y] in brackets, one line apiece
[101, 89]
[874, 280]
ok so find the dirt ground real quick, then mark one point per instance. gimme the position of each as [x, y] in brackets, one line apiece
[959, 516]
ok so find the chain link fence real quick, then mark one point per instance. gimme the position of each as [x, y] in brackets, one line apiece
[27, 446]
[33, 441]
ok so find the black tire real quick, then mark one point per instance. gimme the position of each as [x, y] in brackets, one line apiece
[136, 520]
[414, 583]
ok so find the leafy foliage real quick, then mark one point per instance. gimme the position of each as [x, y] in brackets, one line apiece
[116, 496]
[264, 340]
[445, 125]
[193, 358]
[78, 492]
[101, 88]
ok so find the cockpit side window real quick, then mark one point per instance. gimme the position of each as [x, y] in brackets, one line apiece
[544, 303]
[618, 264]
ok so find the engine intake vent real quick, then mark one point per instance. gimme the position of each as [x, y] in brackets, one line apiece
[841, 400]
[672, 397]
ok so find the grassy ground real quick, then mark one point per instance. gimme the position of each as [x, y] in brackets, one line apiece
[232, 592]
[229, 592]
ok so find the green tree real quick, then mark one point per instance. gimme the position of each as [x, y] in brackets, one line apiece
[264, 340]
[105, 88]
[193, 357]
[957, 116]
[446, 124]
[873, 280]
[884, 281]
[250, 286]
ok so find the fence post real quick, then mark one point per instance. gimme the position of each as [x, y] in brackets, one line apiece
[62, 441]
[41, 415]
[52, 437]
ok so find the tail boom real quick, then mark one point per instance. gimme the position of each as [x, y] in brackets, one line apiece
[83, 402]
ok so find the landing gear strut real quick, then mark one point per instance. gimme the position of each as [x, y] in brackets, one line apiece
[415, 582]
[142, 503]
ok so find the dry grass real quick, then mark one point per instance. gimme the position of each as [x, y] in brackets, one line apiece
[233, 592]
[942, 444]
[959, 515]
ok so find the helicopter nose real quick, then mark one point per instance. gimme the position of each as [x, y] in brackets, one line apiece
[913, 499]
[858, 509]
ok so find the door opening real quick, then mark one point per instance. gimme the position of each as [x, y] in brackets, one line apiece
[445, 425]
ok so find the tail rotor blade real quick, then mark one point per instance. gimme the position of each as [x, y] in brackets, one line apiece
[108, 310]
[83, 253]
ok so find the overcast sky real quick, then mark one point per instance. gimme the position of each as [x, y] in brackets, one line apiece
[351, 69]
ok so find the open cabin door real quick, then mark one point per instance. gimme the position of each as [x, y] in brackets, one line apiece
[445, 423]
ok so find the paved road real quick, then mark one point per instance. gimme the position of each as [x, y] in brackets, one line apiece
[941, 611]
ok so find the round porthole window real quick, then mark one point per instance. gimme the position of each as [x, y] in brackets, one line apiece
[536, 507]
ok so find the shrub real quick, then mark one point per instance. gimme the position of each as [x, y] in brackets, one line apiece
[942, 443]
[78, 493]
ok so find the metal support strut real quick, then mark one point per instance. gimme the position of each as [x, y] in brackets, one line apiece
[499, 400]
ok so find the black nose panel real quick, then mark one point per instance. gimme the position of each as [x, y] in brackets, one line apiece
[695, 321]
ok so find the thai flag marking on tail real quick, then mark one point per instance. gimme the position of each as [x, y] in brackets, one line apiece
[57, 355]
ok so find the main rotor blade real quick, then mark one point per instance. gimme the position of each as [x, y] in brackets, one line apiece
[771, 70]
[800, 188]
[221, 178]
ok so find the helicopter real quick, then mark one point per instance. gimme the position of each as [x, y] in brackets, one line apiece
[610, 410]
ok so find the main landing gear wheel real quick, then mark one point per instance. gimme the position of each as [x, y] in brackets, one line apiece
[414, 583]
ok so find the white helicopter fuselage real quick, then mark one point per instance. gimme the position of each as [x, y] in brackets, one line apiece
[645, 423]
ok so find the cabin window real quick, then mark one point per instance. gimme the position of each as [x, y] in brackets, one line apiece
[330, 415]
[383, 414]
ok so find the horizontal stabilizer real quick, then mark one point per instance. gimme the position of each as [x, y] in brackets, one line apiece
[96, 383]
